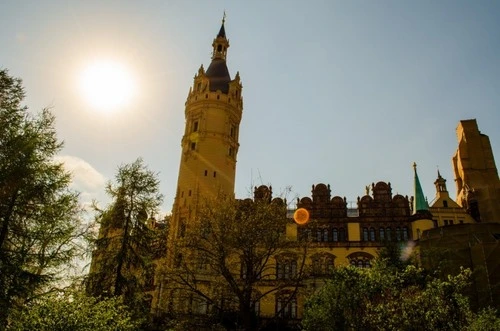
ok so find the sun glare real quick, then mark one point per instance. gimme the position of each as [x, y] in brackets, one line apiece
[107, 86]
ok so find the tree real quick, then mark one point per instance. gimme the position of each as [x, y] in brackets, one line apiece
[74, 311]
[383, 298]
[232, 255]
[40, 228]
[122, 263]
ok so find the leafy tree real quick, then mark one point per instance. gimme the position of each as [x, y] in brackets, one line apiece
[40, 226]
[224, 260]
[127, 244]
[383, 298]
[74, 312]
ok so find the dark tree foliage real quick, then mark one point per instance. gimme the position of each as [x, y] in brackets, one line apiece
[39, 216]
[383, 298]
[128, 242]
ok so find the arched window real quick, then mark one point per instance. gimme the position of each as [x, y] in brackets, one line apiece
[388, 234]
[360, 264]
[342, 236]
[286, 306]
[381, 234]
[286, 268]
[325, 235]
[322, 264]
[335, 234]
[365, 234]
[405, 233]
[319, 235]
[398, 234]
[372, 234]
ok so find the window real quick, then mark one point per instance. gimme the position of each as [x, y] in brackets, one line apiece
[215, 174]
[342, 236]
[451, 222]
[193, 146]
[325, 235]
[286, 269]
[398, 234]
[335, 234]
[365, 234]
[445, 222]
[195, 126]
[182, 229]
[372, 234]
[232, 131]
[286, 305]
[388, 234]
[319, 235]
[199, 306]
[445, 204]
[405, 233]
[360, 260]
[322, 264]
[461, 221]
[435, 223]
[206, 172]
[381, 234]
[231, 151]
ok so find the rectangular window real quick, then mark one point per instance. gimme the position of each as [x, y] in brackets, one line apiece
[195, 126]
[215, 174]
[232, 131]
[193, 146]
[206, 172]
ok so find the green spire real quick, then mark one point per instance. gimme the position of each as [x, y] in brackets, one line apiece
[419, 202]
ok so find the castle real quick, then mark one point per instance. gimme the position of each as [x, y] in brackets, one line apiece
[339, 235]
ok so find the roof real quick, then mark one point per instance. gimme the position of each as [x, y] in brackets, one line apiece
[218, 75]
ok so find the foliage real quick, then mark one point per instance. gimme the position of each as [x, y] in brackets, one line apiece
[74, 312]
[383, 298]
[485, 320]
[127, 244]
[221, 257]
[40, 228]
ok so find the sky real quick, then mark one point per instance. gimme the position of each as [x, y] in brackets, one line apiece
[345, 93]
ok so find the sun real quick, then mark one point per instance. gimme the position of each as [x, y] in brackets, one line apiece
[107, 85]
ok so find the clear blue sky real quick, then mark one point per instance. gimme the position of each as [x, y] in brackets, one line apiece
[340, 92]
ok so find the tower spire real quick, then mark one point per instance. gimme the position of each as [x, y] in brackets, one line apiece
[420, 203]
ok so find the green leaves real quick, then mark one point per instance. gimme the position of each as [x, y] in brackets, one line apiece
[384, 298]
[74, 312]
[40, 226]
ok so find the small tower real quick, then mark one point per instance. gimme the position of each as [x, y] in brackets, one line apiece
[421, 218]
[445, 210]
[209, 145]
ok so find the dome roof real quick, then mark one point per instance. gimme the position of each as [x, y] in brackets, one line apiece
[218, 76]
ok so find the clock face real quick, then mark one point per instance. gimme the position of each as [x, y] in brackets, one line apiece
[301, 216]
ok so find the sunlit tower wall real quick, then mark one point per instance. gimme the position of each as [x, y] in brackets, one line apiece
[476, 176]
[210, 143]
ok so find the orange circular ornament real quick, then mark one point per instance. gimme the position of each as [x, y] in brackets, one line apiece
[301, 216]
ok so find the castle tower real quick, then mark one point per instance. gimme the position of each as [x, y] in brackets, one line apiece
[210, 143]
[476, 176]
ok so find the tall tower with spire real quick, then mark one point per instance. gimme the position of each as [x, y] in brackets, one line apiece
[209, 145]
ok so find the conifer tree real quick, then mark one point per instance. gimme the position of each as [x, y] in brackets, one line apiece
[122, 263]
[39, 216]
